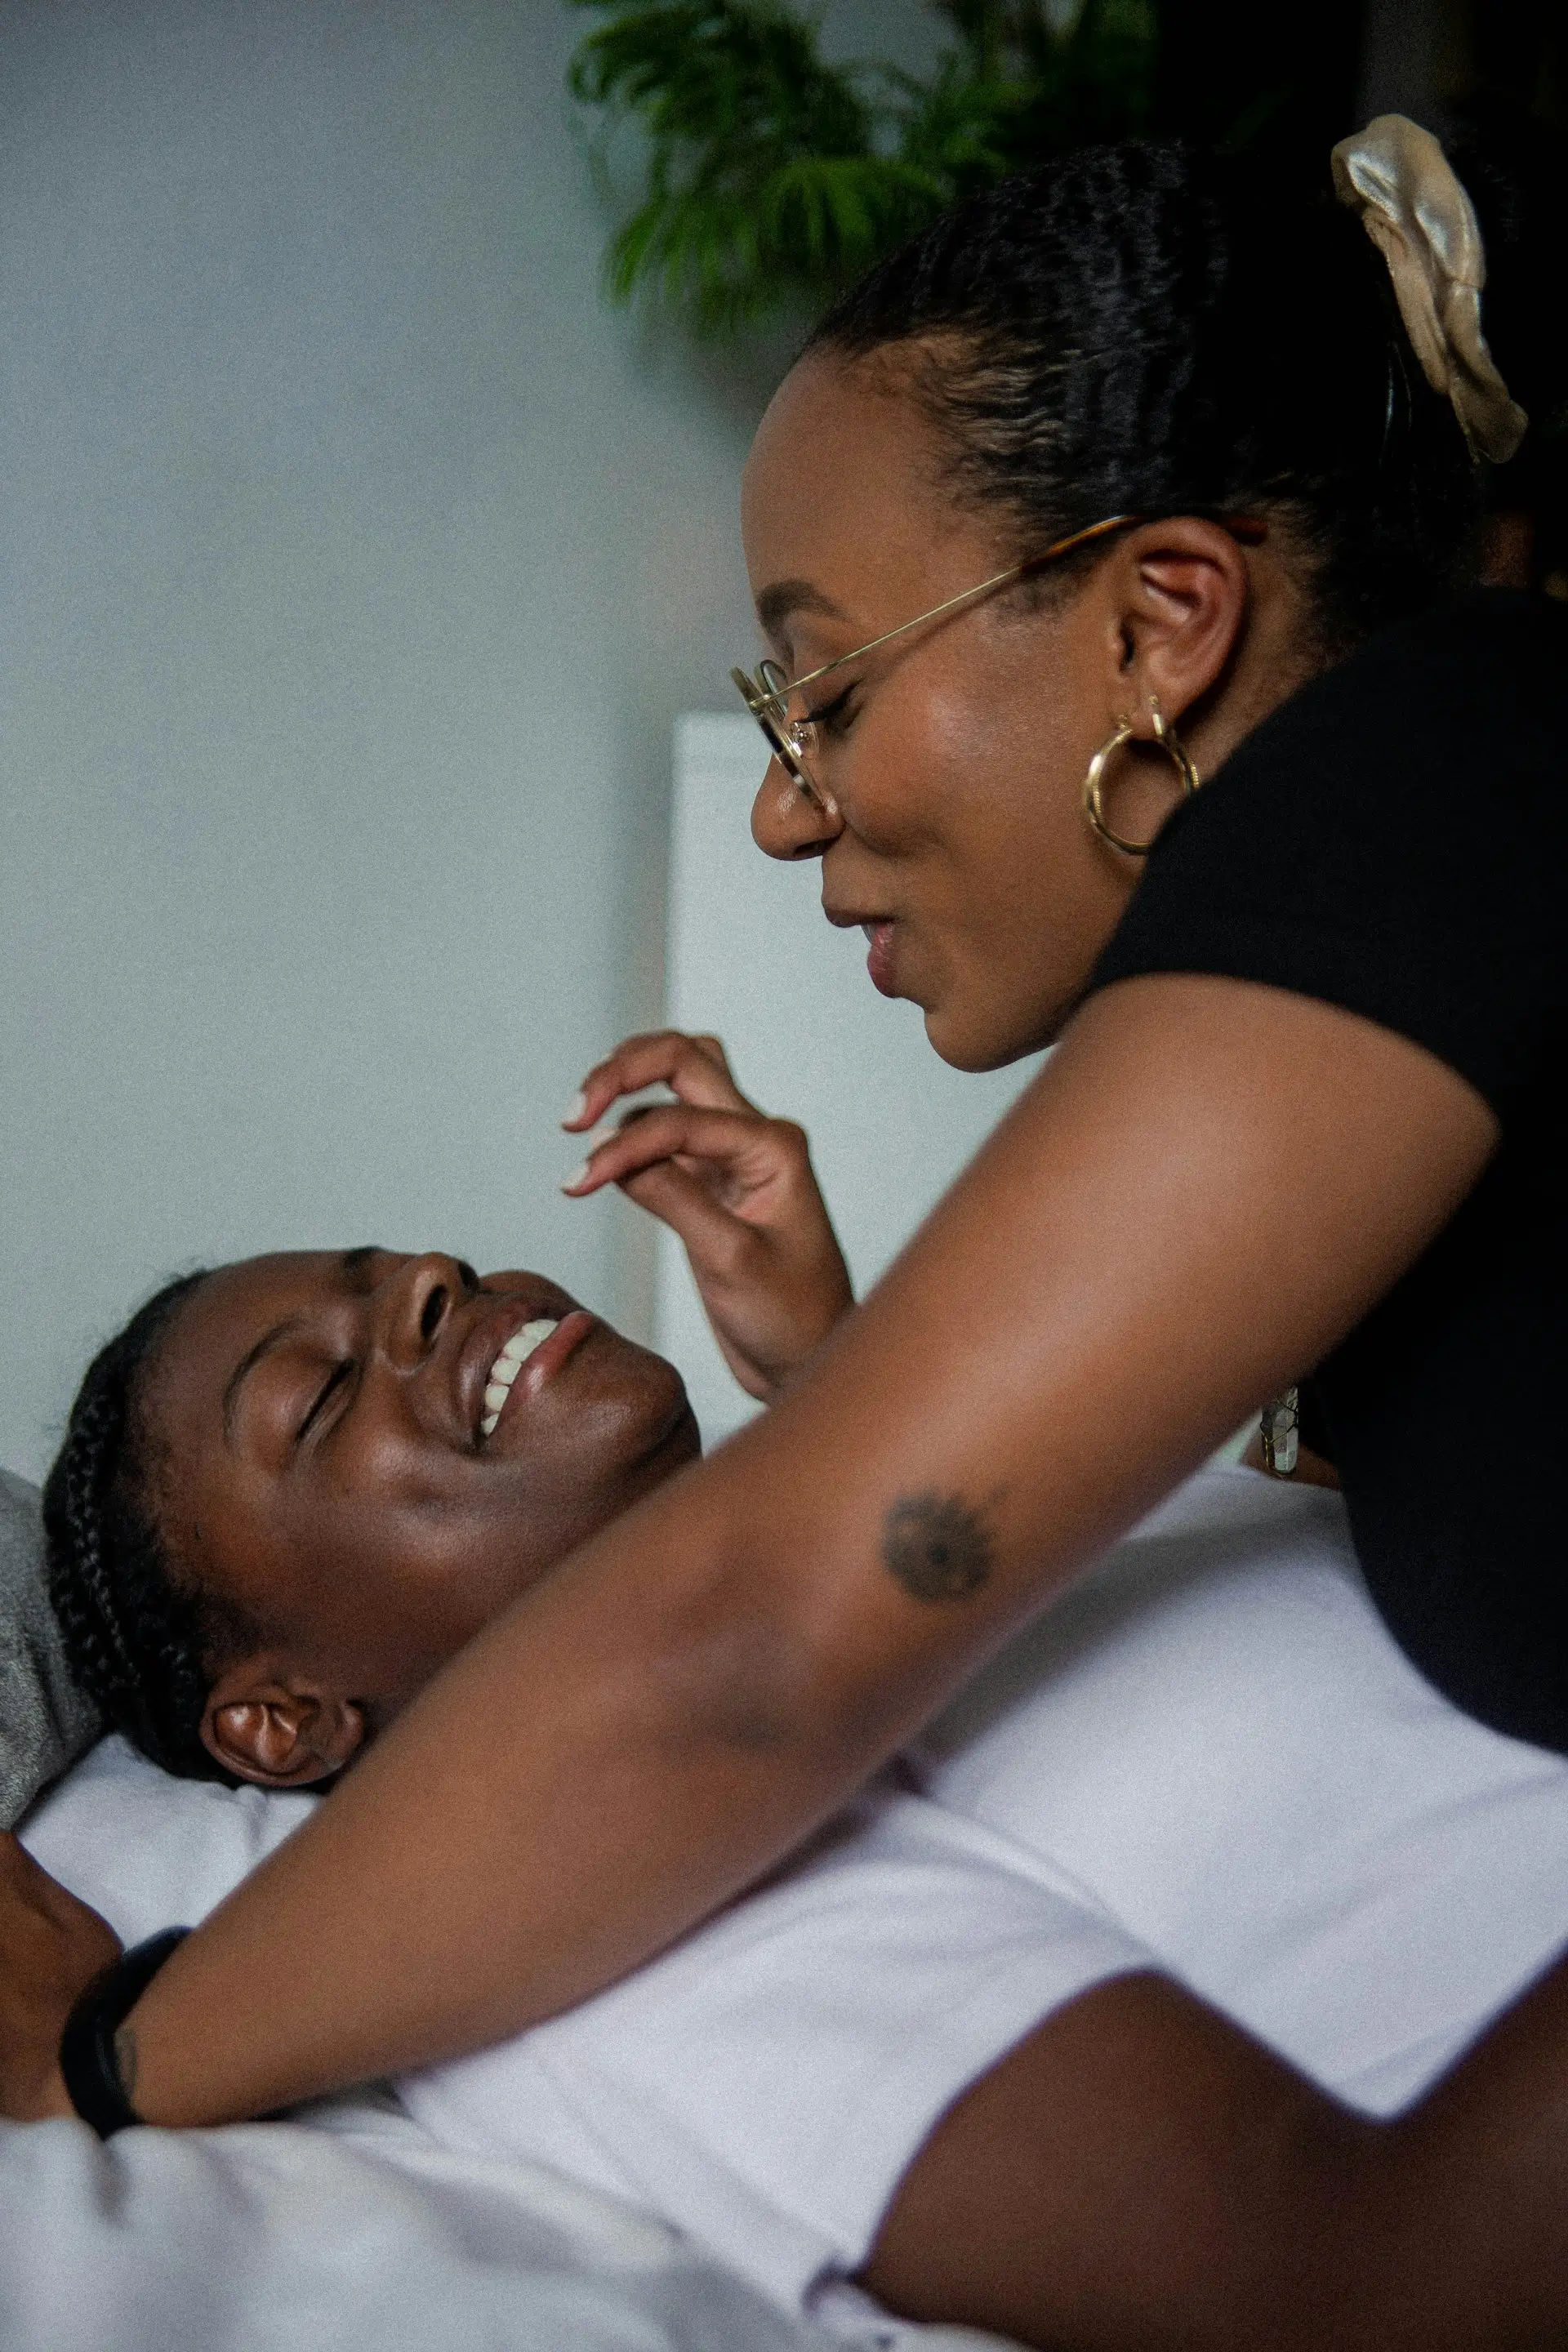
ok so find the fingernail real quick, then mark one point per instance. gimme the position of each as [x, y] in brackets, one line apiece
[579, 1109]
[578, 1176]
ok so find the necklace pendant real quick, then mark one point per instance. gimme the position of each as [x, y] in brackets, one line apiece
[1281, 1427]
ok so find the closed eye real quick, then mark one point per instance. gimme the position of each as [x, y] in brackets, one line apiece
[829, 713]
[328, 1390]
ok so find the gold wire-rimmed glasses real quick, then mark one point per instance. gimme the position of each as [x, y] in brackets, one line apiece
[766, 690]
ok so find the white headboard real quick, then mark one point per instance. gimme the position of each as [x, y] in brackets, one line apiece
[750, 957]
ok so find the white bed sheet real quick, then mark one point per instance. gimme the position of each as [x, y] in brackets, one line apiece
[351, 2225]
[1214, 1739]
[355, 2231]
[1211, 1759]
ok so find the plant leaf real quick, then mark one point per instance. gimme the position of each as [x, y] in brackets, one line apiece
[769, 174]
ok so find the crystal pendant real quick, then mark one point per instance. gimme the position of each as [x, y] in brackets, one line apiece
[1281, 1434]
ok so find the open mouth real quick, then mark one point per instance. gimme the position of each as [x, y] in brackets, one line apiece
[514, 1354]
[529, 1357]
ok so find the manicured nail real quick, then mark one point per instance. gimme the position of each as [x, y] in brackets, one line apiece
[579, 1109]
[578, 1176]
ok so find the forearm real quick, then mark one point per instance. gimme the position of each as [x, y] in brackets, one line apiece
[660, 1722]
[667, 1714]
[452, 1890]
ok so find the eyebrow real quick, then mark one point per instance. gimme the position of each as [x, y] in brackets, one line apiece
[777, 602]
[352, 1264]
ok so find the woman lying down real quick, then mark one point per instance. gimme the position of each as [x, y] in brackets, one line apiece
[1077, 2025]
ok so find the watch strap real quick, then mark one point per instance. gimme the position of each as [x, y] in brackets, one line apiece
[88, 2058]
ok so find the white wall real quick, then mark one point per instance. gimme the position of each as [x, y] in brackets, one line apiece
[355, 561]
[751, 956]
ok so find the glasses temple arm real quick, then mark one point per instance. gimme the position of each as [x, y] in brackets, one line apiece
[964, 597]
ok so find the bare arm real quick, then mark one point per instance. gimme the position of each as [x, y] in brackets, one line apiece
[1206, 1187]
[1139, 2174]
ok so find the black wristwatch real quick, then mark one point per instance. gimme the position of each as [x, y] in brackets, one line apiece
[88, 2062]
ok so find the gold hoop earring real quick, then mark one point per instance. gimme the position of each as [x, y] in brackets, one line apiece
[1169, 741]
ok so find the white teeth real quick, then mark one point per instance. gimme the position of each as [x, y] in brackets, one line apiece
[509, 1364]
[522, 1344]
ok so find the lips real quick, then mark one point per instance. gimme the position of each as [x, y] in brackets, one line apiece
[515, 1352]
[488, 1332]
[879, 930]
[880, 956]
[540, 1366]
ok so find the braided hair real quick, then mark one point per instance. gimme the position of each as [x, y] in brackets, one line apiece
[1145, 330]
[138, 1637]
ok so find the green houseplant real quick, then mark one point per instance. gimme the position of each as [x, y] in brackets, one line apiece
[769, 176]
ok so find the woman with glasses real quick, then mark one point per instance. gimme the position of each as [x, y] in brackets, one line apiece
[1110, 544]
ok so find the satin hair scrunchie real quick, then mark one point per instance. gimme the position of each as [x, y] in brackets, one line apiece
[1397, 178]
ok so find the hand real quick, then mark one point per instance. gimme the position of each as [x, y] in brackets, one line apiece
[737, 1187]
[51, 1947]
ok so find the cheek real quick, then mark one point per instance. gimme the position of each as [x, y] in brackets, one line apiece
[915, 786]
[965, 770]
[1015, 742]
[1009, 895]
[397, 1552]
[395, 1607]
[1011, 747]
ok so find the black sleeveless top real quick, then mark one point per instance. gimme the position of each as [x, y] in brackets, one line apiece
[1394, 840]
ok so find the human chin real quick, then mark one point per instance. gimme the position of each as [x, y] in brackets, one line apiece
[586, 1392]
[974, 1027]
[963, 1046]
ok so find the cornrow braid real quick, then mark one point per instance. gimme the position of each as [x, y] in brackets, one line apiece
[135, 1637]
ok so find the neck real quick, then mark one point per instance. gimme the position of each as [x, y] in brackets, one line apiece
[1280, 648]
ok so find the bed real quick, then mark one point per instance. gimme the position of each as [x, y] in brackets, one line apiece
[347, 2225]
[1222, 1667]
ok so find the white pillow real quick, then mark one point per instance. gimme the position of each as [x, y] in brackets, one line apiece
[151, 1852]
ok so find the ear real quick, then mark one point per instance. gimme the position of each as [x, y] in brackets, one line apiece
[1183, 590]
[279, 1728]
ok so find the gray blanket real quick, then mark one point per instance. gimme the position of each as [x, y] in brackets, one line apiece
[45, 1721]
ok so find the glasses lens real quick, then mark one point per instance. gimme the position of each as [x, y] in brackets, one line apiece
[764, 697]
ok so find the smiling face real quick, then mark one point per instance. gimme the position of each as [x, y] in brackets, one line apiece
[955, 757]
[367, 1455]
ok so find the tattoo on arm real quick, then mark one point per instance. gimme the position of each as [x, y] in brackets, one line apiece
[125, 2061]
[937, 1548]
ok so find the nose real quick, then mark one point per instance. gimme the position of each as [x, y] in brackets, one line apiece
[419, 1299]
[787, 822]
